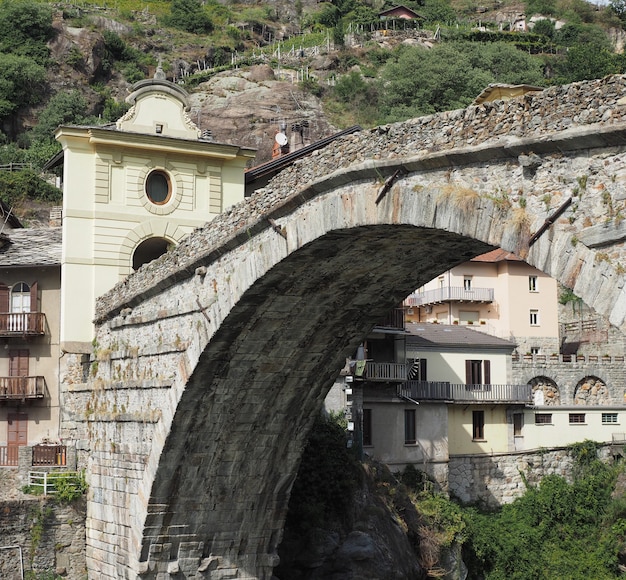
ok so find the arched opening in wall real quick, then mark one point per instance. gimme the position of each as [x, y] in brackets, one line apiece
[545, 392]
[149, 250]
[591, 391]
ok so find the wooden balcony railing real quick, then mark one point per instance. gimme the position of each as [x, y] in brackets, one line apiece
[49, 455]
[9, 455]
[449, 294]
[442, 391]
[16, 388]
[385, 371]
[22, 323]
[393, 320]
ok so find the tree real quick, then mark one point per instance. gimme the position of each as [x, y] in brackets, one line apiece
[189, 15]
[420, 81]
[21, 83]
[63, 108]
[25, 29]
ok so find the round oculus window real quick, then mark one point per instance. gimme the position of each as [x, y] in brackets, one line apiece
[158, 187]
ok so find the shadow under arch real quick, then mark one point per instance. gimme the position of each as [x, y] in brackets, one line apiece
[148, 250]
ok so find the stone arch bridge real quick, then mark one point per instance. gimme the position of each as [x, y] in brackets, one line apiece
[211, 362]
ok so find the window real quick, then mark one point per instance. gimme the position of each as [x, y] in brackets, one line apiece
[367, 426]
[518, 424]
[477, 372]
[532, 283]
[467, 283]
[543, 418]
[576, 418]
[416, 370]
[534, 317]
[409, 426]
[149, 250]
[608, 418]
[478, 425]
[535, 350]
[158, 187]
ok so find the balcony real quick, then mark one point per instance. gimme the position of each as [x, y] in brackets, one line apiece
[394, 320]
[40, 455]
[22, 324]
[21, 388]
[465, 394]
[385, 372]
[449, 294]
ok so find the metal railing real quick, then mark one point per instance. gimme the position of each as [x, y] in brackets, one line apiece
[9, 455]
[385, 371]
[443, 391]
[22, 388]
[449, 293]
[12, 323]
[49, 455]
[47, 480]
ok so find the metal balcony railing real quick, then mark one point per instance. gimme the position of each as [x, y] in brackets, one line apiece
[16, 388]
[22, 323]
[442, 391]
[385, 371]
[449, 294]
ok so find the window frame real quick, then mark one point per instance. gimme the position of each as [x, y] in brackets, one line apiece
[546, 419]
[534, 317]
[532, 284]
[576, 418]
[478, 425]
[158, 173]
[611, 422]
[410, 427]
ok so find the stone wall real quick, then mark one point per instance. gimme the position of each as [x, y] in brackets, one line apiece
[493, 480]
[42, 537]
[571, 377]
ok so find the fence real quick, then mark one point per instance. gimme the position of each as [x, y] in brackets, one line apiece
[47, 481]
[9, 455]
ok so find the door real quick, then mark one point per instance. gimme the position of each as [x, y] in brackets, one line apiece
[17, 436]
[18, 372]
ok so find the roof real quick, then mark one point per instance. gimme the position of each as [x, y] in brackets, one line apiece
[427, 335]
[7, 216]
[260, 175]
[497, 255]
[503, 91]
[32, 247]
[401, 7]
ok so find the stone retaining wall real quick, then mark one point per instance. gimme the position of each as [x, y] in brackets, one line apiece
[493, 480]
[42, 537]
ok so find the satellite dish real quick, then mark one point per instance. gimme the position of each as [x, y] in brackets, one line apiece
[281, 139]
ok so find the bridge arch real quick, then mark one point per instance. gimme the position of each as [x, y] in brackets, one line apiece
[219, 354]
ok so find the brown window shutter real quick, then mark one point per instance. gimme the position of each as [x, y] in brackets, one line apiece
[487, 372]
[468, 372]
[33, 297]
[4, 298]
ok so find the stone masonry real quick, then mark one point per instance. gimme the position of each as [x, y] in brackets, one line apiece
[211, 362]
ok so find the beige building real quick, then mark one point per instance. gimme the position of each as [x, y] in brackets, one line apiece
[130, 191]
[455, 396]
[496, 293]
[30, 292]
